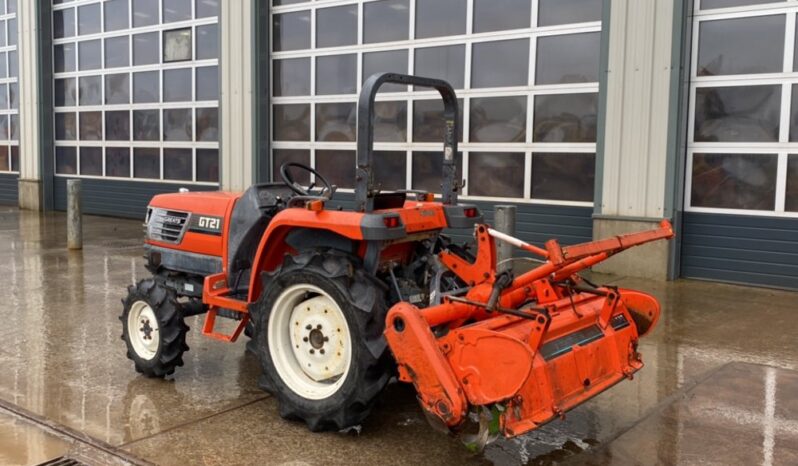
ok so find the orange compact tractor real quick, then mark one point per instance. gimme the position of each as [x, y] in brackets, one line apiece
[339, 301]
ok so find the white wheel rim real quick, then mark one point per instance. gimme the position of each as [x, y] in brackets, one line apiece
[143, 330]
[309, 341]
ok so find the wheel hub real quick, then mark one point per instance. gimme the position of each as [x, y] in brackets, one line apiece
[318, 340]
[143, 330]
[146, 329]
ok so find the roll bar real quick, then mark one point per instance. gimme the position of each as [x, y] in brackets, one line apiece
[365, 189]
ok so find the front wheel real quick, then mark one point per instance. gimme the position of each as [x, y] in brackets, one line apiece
[318, 335]
[153, 328]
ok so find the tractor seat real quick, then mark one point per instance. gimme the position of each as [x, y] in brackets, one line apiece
[251, 215]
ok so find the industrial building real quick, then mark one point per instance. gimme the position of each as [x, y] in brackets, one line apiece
[593, 118]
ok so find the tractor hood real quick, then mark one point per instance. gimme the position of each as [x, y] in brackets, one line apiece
[213, 203]
[189, 221]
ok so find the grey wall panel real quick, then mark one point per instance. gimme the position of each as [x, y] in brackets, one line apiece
[741, 249]
[9, 189]
[116, 198]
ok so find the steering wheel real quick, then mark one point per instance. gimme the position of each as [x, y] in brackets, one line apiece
[327, 189]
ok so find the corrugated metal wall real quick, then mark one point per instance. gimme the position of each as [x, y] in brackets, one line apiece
[9, 189]
[114, 198]
[236, 104]
[741, 249]
[638, 100]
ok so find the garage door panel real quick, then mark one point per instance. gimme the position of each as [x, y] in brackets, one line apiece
[737, 276]
[741, 249]
[8, 189]
[724, 242]
[749, 255]
[729, 231]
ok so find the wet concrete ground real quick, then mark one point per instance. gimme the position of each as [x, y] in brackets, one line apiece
[61, 358]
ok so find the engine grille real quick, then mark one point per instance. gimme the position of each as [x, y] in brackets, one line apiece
[166, 226]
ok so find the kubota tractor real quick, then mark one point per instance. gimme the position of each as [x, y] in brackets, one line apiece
[337, 302]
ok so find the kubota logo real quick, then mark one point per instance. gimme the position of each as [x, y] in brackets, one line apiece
[172, 220]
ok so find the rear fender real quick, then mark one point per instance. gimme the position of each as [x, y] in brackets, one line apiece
[276, 243]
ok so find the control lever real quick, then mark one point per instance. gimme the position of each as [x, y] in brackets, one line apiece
[503, 280]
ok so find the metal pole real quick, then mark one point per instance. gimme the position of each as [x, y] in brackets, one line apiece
[504, 221]
[74, 215]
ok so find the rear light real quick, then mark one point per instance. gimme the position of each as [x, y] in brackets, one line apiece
[429, 197]
[470, 212]
[390, 222]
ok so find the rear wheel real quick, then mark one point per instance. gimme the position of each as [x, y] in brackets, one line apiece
[153, 328]
[318, 334]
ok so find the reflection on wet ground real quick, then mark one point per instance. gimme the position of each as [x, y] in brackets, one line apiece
[61, 358]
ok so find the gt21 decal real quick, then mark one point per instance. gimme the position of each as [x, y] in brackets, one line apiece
[206, 224]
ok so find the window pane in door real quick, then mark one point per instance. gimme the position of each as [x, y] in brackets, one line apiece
[207, 124]
[337, 166]
[336, 74]
[428, 122]
[117, 88]
[145, 48]
[177, 85]
[291, 122]
[117, 52]
[66, 160]
[116, 14]
[89, 21]
[436, 18]
[177, 164]
[741, 46]
[177, 124]
[737, 114]
[208, 165]
[553, 12]
[428, 170]
[291, 77]
[91, 126]
[117, 125]
[117, 162]
[498, 119]
[65, 93]
[146, 163]
[712, 4]
[385, 21]
[791, 199]
[447, 63]
[496, 174]
[390, 169]
[176, 10]
[563, 177]
[146, 125]
[565, 118]
[734, 181]
[90, 88]
[496, 15]
[335, 122]
[390, 122]
[63, 25]
[291, 31]
[336, 26]
[568, 58]
[145, 12]
[91, 161]
[500, 63]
